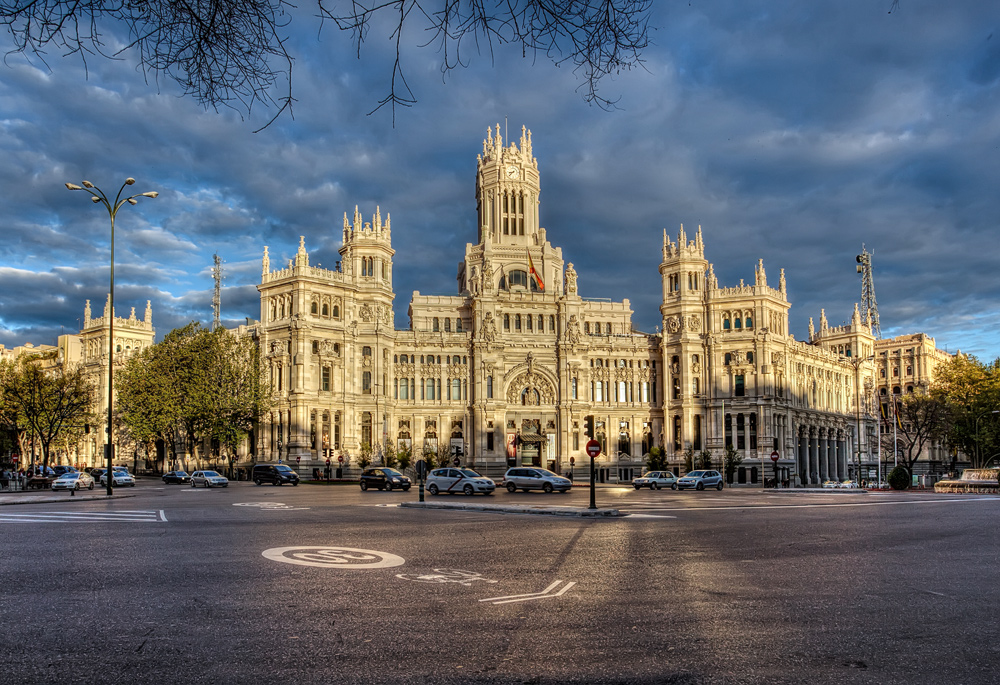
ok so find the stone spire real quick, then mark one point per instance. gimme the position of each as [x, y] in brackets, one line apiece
[781, 283]
[760, 276]
[856, 317]
[149, 312]
[823, 323]
[812, 329]
[302, 257]
[266, 264]
[86, 315]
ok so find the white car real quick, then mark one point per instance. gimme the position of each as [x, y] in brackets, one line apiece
[459, 480]
[120, 479]
[654, 480]
[209, 479]
[74, 480]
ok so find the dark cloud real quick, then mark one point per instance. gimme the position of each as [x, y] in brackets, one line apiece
[791, 132]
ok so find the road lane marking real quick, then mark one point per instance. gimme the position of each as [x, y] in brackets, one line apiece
[531, 596]
[333, 557]
[269, 506]
[445, 575]
[84, 517]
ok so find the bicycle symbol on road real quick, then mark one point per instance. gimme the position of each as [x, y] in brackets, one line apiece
[445, 575]
[333, 557]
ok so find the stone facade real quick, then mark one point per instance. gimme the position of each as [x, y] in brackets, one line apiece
[506, 370]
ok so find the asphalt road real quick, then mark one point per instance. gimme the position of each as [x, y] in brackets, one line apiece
[738, 586]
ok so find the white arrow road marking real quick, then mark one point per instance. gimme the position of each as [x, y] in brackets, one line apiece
[532, 595]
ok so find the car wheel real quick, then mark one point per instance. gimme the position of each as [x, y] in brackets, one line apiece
[547, 487]
[700, 486]
[76, 487]
[637, 486]
[468, 490]
[406, 488]
[364, 485]
[654, 486]
[674, 486]
[277, 481]
[91, 486]
[193, 484]
[388, 487]
[256, 481]
[433, 489]
[511, 487]
[719, 486]
[294, 483]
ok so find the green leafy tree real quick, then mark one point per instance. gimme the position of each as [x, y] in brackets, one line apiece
[705, 459]
[899, 478]
[689, 460]
[48, 403]
[970, 391]
[405, 456]
[656, 460]
[389, 456]
[731, 461]
[365, 455]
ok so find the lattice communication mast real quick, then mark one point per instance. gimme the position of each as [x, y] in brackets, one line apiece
[217, 296]
[869, 307]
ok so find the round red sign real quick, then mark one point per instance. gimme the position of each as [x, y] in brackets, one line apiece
[774, 456]
[341, 458]
[593, 448]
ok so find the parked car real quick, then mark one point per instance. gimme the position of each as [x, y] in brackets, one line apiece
[275, 474]
[384, 478]
[654, 480]
[73, 480]
[209, 479]
[62, 469]
[177, 477]
[699, 480]
[535, 478]
[459, 480]
[119, 479]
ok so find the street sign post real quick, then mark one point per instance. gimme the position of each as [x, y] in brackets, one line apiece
[774, 460]
[593, 449]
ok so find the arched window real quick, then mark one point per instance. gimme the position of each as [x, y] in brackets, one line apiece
[552, 324]
[326, 309]
[608, 329]
[541, 324]
[458, 325]
[313, 309]
[456, 389]
[436, 325]
[529, 322]
[517, 322]
[447, 325]
[725, 323]
[336, 311]
[749, 322]
[506, 322]
[737, 324]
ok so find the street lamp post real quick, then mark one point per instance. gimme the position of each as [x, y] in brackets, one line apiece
[98, 197]
[979, 449]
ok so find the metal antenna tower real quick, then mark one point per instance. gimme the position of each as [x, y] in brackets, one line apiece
[869, 307]
[217, 296]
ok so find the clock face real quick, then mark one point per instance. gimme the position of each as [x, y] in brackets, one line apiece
[512, 172]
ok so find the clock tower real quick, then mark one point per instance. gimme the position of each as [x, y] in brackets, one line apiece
[507, 190]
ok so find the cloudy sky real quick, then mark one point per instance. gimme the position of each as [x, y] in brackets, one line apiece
[791, 132]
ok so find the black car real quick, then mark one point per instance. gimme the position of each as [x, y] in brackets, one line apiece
[384, 478]
[275, 474]
[177, 477]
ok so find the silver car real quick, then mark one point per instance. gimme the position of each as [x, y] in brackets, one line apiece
[699, 480]
[74, 480]
[209, 479]
[654, 480]
[459, 480]
[120, 479]
[535, 478]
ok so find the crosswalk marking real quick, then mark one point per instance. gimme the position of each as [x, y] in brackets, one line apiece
[84, 517]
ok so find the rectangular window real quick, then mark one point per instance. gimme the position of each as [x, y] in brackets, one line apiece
[366, 383]
[753, 431]
[740, 431]
[573, 386]
[598, 391]
[326, 379]
[489, 387]
[489, 441]
[738, 390]
[622, 396]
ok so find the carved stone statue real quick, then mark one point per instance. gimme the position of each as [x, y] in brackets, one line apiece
[570, 279]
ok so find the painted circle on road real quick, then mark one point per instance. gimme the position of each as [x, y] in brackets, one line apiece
[333, 557]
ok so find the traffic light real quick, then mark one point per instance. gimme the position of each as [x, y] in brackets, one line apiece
[589, 423]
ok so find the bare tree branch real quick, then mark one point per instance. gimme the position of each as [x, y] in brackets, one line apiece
[233, 53]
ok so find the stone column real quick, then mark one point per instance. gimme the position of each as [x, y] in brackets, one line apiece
[842, 454]
[824, 464]
[802, 458]
[813, 456]
[318, 438]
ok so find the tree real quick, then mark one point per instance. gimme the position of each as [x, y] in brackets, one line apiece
[970, 391]
[389, 456]
[731, 461]
[405, 456]
[705, 459]
[689, 460]
[48, 403]
[921, 421]
[656, 460]
[234, 53]
[365, 455]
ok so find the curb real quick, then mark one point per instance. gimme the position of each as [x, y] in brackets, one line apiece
[514, 509]
[817, 491]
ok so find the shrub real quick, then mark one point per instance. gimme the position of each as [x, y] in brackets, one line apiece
[899, 478]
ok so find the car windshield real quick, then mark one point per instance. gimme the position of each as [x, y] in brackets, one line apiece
[69, 476]
[469, 473]
[282, 468]
[392, 472]
[544, 473]
[180, 473]
[696, 474]
[211, 474]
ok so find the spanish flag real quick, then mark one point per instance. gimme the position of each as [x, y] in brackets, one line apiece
[534, 274]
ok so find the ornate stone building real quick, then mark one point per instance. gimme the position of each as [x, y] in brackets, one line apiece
[506, 370]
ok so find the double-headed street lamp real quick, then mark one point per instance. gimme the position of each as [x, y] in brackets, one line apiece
[98, 197]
